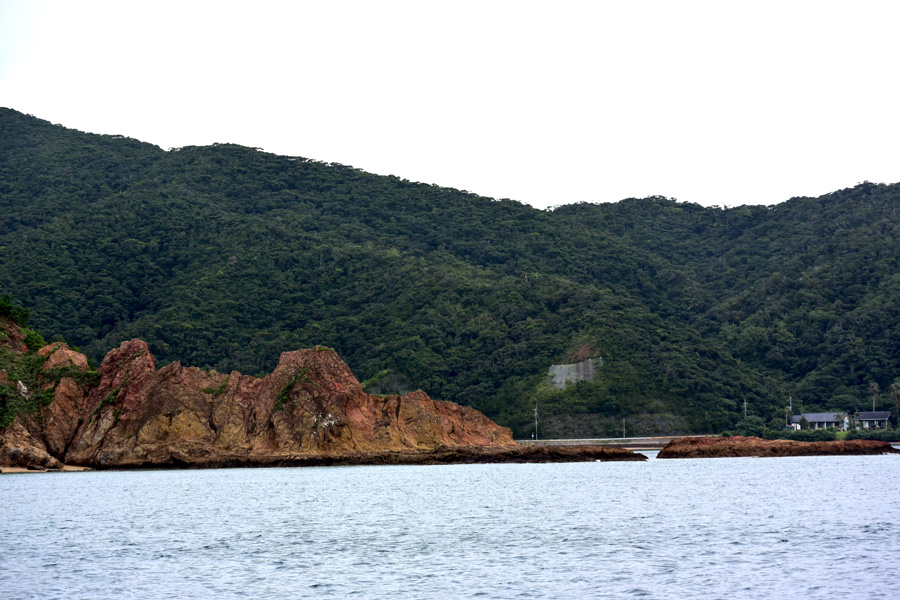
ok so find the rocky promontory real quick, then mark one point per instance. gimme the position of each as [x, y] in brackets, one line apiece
[310, 410]
[709, 447]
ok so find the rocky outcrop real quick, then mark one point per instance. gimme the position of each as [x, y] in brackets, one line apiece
[310, 410]
[753, 446]
[21, 449]
[456, 455]
[11, 335]
[310, 407]
[60, 355]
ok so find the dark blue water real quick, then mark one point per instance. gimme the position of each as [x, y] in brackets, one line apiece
[820, 527]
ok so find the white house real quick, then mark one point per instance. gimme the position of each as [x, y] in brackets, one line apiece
[837, 420]
[873, 420]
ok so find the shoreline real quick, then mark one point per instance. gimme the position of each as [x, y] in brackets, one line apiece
[439, 456]
[64, 469]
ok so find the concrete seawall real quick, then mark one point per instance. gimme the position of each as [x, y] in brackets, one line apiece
[636, 443]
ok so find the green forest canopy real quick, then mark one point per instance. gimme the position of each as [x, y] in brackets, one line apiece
[225, 256]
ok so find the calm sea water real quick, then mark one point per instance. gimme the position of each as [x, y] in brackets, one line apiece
[820, 527]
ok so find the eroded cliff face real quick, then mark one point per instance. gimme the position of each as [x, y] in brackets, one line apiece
[311, 405]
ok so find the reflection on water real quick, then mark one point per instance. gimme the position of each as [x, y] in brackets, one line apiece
[808, 527]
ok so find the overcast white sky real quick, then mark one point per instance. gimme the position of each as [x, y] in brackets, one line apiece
[712, 102]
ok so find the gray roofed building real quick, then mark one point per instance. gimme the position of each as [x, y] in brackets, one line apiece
[824, 420]
[873, 420]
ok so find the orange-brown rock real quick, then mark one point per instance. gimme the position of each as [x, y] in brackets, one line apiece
[311, 407]
[60, 355]
[451, 455]
[14, 339]
[60, 419]
[753, 446]
[310, 410]
[19, 448]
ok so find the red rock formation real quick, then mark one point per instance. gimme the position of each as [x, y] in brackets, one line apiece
[14, 339]
[19, 448]
[311, 406]
[754, 446]
[463, 455]
[310, 410]
[60, 419]
[60, 355]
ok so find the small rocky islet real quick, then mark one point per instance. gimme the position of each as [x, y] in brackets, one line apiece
[737, 446]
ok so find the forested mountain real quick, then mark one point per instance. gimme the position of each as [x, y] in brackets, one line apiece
[224, 256]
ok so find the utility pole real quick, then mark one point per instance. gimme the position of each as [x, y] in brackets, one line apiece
[535, 422]
[745, 407]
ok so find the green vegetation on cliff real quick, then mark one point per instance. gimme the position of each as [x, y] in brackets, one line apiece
[25, 383]
[224, 256]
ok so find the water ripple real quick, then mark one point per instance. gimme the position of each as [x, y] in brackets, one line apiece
[736, 528]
